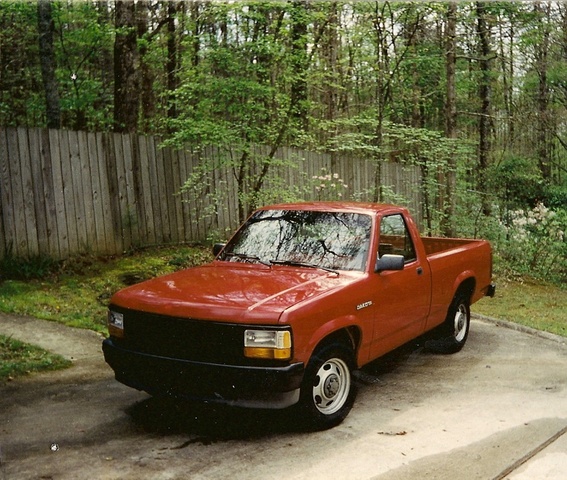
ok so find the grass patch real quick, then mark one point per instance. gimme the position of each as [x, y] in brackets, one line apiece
[528, 302]
[19, 358]
[77, 292]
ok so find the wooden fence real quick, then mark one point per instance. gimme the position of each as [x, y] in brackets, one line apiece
[65, 192]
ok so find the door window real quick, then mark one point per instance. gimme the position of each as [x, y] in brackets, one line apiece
[395, 238]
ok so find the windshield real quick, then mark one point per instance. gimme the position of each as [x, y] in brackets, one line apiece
[331, 240]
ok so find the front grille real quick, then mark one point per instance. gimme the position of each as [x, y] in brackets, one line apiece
[182, 338]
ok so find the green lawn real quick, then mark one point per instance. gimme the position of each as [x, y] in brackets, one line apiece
[18, 358]
[527, 302]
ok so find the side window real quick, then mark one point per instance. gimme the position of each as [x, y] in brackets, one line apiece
[395, 238]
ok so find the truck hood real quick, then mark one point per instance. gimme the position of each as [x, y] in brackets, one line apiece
[248, 293]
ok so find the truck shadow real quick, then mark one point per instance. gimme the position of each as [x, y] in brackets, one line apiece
[211, 422]
[413, 352]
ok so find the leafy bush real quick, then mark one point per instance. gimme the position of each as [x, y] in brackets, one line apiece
[20, 268]
[328, 186]
[535, 243]
[517, 181]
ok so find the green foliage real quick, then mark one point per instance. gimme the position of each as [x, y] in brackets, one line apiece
[17, 268]
[21, 74]
[437, 157]
[535, 243]
[517, 181]
[83, 44]
[19, 358]
[555, 196]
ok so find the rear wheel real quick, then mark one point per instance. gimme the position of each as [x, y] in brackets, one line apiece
[328, 391]
[452, 335]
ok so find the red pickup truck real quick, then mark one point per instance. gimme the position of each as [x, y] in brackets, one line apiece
[300, 296]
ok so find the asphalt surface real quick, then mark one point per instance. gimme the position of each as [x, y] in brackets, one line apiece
[496, 410]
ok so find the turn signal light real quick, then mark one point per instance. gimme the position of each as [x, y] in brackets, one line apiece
[267, 344]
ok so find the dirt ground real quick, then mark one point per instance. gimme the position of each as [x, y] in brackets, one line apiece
[498, 409]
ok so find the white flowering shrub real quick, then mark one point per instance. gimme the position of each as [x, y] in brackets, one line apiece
[329, 186]
[536, 242]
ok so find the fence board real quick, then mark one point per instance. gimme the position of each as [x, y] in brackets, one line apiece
[154, 179]
[120, 196]
[176, 185]
[99, 230]
[20, 239]
[68, 192]
[41, 209]
[144, 192]
[108, 201]
[28, 193]
[49, 195]
[59, 193]
[7, 220]
[113, 189]
[168, 190]
[85, 196]
[184, 159]
[63, 193]
[128, 146]
[78, 195]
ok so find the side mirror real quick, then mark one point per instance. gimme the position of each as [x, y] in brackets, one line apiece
[390, 262]
[217, 248]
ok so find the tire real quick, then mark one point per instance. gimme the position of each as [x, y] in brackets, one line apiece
[452, 335]
[328, 391]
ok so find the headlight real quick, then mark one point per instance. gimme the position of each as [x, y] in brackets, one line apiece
[116, 324]
[270, 344]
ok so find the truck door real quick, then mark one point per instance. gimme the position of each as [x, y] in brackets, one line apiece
[402, 297]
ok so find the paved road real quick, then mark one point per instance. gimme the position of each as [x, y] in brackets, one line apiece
[496, 410]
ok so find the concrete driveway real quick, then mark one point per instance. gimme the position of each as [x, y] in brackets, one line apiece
[496, 410]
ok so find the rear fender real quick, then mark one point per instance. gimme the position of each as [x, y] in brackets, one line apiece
[466, 281]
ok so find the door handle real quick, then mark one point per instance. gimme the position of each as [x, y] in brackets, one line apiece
[419, 270]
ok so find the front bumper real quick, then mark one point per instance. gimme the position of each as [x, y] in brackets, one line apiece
[246, 386]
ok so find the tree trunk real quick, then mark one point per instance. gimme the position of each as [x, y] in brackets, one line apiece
[543, 125]
[171, 59]
[126, 91]
[47, 59]
[147, 78]
[484, 96]
[299, 61]
[450, 182]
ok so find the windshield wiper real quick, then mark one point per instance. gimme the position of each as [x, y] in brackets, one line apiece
[244, 256]
[301, 264]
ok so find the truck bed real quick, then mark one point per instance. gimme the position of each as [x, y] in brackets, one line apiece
[437, 244]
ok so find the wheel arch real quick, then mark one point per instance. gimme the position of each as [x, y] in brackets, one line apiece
[466, 286]
[348, 335]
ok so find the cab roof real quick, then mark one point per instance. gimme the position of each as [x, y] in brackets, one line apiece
[355, 207]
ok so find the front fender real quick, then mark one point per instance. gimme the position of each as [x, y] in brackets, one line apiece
[347, 323]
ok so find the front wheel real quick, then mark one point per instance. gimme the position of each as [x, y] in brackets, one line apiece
[451, 336]
[328, 391]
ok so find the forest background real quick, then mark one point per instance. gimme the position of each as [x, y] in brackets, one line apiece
[473, 93]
